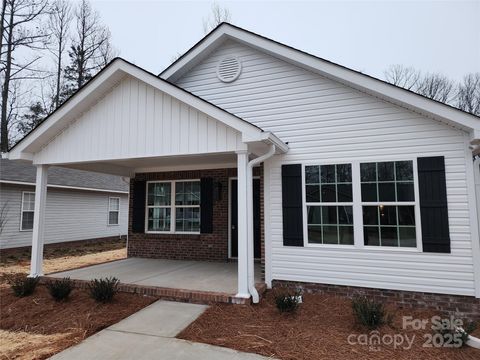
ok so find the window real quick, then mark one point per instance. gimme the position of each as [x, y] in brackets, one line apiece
[329, 201]
[173, 206]
[113, 210]
[28, 208]
[388, 203]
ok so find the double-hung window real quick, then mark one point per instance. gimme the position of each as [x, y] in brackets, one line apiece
[388, 203]
[113, 210]
[329, 203]
[173, 206]
[28, 208]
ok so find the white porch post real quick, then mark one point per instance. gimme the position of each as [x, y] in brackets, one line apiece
[242, 162]
[39, 221]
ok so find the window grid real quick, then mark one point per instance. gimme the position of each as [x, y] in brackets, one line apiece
[324, 203]
[396, 203]
[172, 221]
[113, 210]
[28, 209]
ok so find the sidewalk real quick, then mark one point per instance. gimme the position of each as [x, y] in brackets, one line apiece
[150, 334]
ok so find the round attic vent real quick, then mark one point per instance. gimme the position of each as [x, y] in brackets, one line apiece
[229, 69]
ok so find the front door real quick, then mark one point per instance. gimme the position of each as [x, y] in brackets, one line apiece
[234, 219]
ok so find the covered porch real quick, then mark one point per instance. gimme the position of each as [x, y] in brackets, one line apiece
[197, 281]
[130, 123]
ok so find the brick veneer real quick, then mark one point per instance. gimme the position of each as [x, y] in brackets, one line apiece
[205, 247]
[460, 306]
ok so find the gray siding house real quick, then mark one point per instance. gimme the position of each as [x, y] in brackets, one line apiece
[81, 205]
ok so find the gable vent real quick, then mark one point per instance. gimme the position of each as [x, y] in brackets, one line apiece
[229, 69]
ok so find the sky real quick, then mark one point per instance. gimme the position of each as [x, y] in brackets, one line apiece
[368, 36]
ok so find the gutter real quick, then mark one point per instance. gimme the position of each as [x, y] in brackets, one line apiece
[250, 254]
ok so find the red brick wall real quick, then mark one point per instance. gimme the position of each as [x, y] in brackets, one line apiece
[210, 247]
[461, 306]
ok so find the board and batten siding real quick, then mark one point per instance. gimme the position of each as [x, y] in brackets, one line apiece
[324, 121]
[135, 120]
[70, 215]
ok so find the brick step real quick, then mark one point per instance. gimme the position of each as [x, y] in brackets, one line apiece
[181, 295]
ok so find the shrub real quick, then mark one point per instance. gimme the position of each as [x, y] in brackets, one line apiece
[287, 300]
[464, 333]
[369, 312]
[60, 289]
[23, 285]
[103, 290]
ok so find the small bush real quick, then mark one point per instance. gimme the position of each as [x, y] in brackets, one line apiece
[103, 290]
[23, 285]
[368, 312]
[464, 333]
[287, 301]
[60, 289]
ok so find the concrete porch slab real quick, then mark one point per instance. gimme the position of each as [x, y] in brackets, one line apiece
[174, 274]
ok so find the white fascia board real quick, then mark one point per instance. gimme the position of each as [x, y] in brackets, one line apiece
[11, 182]
[361, 82]
[267, 137]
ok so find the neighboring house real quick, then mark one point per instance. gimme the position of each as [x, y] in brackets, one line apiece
[358, 183]
[81, 205]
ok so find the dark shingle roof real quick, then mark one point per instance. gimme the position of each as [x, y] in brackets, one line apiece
[15, 171]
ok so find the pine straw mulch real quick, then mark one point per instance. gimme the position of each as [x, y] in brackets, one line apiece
[319, 330]
[36, 326]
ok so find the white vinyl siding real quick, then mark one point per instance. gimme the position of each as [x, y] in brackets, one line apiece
[324, 121]
[135, 120]
[70, 215]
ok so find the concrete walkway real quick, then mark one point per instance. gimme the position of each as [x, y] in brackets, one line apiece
[150, 334]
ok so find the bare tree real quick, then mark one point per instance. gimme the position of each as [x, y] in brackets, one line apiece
[217, 15]
[468, 94]
[435, 86]
[21, 33]
[90, 48]
[58, 25]
[403, 76]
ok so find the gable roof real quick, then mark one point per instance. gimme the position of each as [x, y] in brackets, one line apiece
[18, 172]
[109, 76]
[360, 81]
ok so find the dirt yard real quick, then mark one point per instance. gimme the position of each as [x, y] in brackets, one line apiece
[63, 258]
[36, 327]
[319, 330]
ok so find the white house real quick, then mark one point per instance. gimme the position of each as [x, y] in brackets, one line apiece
[358, 183]
[80, 205]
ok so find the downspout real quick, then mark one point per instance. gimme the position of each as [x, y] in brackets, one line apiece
[250, 253]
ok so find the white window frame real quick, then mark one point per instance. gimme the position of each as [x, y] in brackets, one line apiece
[358, 204]
[22, 210]
[306, 243]
[172, 207]
[110, 211]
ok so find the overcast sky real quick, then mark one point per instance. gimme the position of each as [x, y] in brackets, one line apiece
[436, 36]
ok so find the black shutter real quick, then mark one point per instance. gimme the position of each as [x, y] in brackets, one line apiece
[292, 205]
[138, 206]
[206, 205]
[433, 204]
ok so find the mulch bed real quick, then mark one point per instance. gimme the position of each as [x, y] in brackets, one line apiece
[67, 323]
[318, 330]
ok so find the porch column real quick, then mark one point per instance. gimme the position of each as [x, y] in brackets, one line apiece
[242, 162]
[39, 221]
